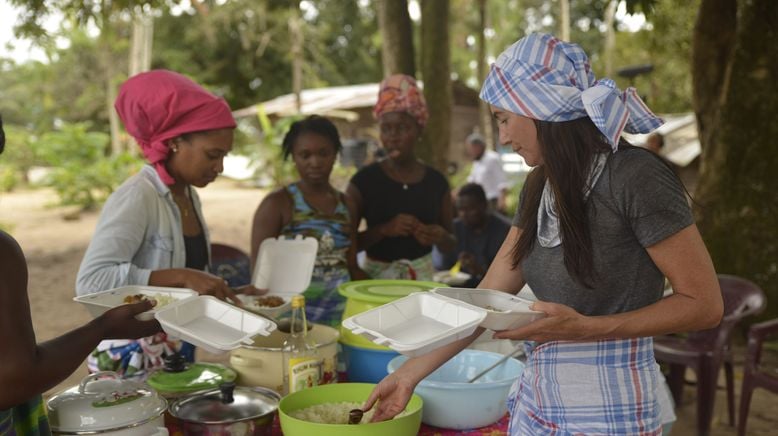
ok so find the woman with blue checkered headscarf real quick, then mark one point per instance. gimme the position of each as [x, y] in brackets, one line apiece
[599, 226]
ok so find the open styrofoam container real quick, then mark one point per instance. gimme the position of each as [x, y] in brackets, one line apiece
[284, 267]
[212, 324]
[99, 302]
[503, 311]
[417, 324]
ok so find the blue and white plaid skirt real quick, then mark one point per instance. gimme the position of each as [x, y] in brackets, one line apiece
[608, 387]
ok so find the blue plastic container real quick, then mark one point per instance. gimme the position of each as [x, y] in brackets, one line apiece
[365, 365]
[450, 402]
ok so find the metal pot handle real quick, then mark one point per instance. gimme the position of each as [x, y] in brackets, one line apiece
[95, 376]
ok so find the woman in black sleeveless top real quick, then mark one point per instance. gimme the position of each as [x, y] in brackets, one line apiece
[405, 203]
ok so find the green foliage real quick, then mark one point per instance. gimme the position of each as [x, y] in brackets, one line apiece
[9, 178]
[81, 174]
[268, 152]
[19, 156]
[667, 45]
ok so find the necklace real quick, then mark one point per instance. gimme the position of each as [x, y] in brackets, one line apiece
[397, 177]
[183, 204]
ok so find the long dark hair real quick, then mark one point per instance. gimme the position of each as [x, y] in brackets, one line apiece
[568, 149]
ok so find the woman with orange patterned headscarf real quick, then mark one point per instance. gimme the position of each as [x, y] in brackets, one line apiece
[406, 203]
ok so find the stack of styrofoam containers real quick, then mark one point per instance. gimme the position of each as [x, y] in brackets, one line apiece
[422, 322]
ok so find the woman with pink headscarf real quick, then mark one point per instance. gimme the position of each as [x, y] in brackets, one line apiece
[406, 204]
[151, 230]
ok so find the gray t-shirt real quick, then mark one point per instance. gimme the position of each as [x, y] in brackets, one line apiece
[636, 203]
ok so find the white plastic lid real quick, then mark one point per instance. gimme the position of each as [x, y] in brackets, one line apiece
[285, 266]
[418, 323]
[212, 324]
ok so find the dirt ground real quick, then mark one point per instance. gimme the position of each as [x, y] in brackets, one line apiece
[54, 248]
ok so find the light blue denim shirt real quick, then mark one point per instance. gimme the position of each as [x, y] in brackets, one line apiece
[139, 231]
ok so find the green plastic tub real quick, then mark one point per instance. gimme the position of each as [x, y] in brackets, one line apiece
[351, 392]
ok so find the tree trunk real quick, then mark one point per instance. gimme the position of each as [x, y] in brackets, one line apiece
[140, 47]
[738, 205]
[397, 33]
[483, 108]
[714, 36]
[564, 20]
[106, 42]
[436, 71]
[610, 36]
[296, 33]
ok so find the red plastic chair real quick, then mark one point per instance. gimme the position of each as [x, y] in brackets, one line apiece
[705, 351]
[753, 376]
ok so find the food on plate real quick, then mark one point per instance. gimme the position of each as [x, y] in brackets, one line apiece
[162, 299]
[267, 301]
[494, 309]
[132, 299]
[335, 413]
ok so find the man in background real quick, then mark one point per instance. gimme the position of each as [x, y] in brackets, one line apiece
[487, 172]
[655, 142]
[479, 232]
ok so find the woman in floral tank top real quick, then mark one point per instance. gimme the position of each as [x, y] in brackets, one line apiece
[312, 207]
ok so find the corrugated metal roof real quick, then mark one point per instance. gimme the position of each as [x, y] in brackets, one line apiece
[682, 144]
[336, 99]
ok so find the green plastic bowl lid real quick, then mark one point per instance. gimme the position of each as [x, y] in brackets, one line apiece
[384, 291]
[195, 377]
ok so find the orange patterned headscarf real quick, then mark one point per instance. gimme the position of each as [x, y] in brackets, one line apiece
[400, 93]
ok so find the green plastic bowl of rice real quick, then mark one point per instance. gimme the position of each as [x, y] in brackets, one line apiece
[331, 403]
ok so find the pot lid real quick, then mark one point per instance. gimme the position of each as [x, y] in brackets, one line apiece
[103, 401]
[225, 405]
[384, 291]
[179, 376]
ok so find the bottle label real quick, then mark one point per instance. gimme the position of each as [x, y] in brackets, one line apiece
[304, 372]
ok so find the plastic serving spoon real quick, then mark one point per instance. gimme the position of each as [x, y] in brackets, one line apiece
[496, 364]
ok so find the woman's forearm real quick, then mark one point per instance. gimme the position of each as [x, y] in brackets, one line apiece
[676, 313]
[46, 365]
[419, 367]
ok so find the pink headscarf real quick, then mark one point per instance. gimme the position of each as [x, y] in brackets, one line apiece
[399, 93]
[160, 105]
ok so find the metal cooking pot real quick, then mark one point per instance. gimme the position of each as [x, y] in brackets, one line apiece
[229, 410]
[103, 403]
[262, 363]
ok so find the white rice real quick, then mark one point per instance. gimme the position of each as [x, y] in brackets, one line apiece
[333, 413]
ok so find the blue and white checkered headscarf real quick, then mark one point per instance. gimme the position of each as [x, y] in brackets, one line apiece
[544, 78]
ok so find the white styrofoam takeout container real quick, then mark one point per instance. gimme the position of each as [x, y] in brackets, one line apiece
[422, 322]
[284, 267]
[417, 324]
[204, 321]
[99, 302]
[503, 310]
[212, 324]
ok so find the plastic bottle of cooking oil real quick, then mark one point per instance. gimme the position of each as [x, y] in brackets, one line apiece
[302, 364]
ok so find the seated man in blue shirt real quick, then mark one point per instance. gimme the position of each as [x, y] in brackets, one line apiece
[479, 232]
